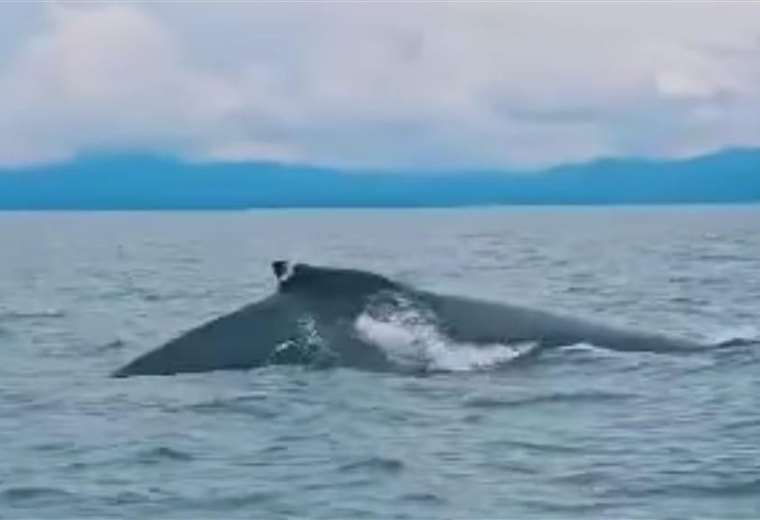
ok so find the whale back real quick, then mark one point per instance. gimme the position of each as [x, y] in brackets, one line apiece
[239, 340]
[340, 315]
[329, 281]
[482, 322]
[332, 293]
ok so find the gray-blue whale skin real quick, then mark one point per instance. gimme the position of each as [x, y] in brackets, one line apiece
[249, 337]
[477, 321]
[334, 298]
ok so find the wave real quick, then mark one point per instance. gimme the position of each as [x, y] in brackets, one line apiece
[583, 352]
[163, 454]
[374, 464]
[538, 447]
[735, 336]
[253, 405]
[589, 348]
[410, 336]
[716, 488]
[115, 344]
[424, 498]
[553, 398]
[35, 494]
[24, 314]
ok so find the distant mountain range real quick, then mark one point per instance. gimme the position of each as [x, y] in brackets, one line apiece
[149, 182]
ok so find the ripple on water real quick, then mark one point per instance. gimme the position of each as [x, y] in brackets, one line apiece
[249, 404]
[55, 446]
[10, 315]
[116, 344]
[580, 432]
[374, 465]
[423, 498]
[160, 454]
[560, 509]
[241, 500]
[540, 447]
[34, 496]
[726, 489]
[127, 497]
[585, 478]
[554, 398]
[742, 424]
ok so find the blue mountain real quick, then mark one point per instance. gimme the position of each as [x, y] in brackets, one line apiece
[150, 182]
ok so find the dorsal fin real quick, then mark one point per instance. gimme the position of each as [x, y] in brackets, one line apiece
[327, 281]
[282, 270]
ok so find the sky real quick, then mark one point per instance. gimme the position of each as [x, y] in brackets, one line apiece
[391, 85]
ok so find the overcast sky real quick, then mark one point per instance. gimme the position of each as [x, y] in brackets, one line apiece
[391, 85]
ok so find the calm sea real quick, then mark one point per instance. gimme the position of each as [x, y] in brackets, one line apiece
[577, 432]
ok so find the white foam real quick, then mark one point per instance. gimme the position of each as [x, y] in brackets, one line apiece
[734, 333]
[28, 313]
[588, 347]
[308, 342]
[410, 336]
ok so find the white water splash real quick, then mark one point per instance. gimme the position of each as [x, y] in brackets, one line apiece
[307, 346]
[589, 347]
[738, 333]
[410, 336]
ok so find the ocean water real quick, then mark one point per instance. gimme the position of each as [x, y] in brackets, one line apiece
[575, 432]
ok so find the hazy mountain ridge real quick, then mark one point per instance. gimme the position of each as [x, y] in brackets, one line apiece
[148, 182]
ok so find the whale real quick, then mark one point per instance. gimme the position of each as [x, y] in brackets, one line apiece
[326, 316]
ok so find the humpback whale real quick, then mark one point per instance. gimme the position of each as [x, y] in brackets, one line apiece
[323, 316]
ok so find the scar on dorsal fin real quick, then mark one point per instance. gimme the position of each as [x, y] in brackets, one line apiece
[283, 270]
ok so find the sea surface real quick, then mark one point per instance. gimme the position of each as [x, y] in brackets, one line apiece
[575, 432]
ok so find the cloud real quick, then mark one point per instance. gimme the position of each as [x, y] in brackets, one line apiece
[382, 85]
[105, 78]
